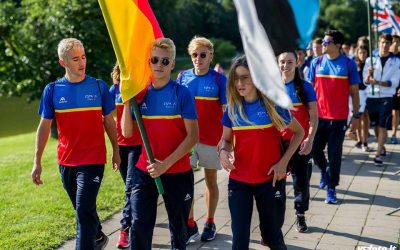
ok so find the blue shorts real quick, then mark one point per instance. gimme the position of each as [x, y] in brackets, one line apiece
[380, 111]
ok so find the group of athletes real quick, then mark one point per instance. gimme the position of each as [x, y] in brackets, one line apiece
[201, 119]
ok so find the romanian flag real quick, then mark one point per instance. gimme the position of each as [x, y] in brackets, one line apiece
[132, 27]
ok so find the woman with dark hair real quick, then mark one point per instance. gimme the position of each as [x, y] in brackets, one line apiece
[129, 151]
[257, 169]
[361, 55]
[305, 111]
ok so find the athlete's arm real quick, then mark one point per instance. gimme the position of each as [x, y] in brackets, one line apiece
[224, 152]
[126, 120]
[111, 130]
[42, 135]
[280, 167]
[192, 137]
[355, 99]
[306, 145]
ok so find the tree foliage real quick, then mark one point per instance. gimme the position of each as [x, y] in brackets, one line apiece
[29, 37]
[348, 16]
[31, 29]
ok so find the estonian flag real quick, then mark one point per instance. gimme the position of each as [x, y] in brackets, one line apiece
[268, 28]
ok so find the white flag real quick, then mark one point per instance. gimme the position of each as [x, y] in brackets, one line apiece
[260, 55]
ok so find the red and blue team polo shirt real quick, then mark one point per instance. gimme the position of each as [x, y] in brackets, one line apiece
[209, 91]
[79, 109]
[300, 111]
[257, 144]
[332, 80]
[163, 111]
[135, 139]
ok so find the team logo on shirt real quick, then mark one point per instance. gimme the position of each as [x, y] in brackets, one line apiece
[90, 97]
[144, 106]
[261, 114]
[339, 68]
[62, 100]
[169, 105]
[209, 88]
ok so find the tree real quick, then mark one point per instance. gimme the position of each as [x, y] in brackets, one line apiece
[348, 16]
[30, 37]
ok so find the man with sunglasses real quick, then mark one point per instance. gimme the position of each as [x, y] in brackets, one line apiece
[334, 77]
[209, 89]
[170, 119]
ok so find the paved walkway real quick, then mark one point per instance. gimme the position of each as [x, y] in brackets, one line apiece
[366, 194]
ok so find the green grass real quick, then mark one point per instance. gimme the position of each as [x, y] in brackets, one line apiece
[18, 116]
[42, 217]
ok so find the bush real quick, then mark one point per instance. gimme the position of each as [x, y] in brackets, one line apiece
[224, 50]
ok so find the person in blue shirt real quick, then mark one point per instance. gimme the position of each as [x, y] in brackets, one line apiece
[209, 89]
[170, 119]
[82, 107]
[305, 111]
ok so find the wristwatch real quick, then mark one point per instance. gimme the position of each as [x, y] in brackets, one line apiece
[357, 115]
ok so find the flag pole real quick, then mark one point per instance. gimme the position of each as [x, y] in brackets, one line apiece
[370, 39]
[138, 116]
[376, 24]
[146, 143]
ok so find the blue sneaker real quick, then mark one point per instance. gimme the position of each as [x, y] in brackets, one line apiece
[393, 140]
[331, 196]
[209, 232]
[324, 180]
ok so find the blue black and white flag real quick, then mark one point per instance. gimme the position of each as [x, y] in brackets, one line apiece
[268, 28]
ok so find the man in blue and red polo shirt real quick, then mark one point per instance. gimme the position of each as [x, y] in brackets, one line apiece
[82, 106]
[170, 119]
[209, 89]
[334, 77]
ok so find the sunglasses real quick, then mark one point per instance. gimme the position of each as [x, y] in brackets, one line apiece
[202, 55]
[326, 42]
[164, 61]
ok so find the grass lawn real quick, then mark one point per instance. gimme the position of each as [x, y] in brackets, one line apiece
[42, 217]
[18, 116]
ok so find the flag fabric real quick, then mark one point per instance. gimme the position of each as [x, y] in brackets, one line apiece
[385, 19]
[132, 27]
[268, 28]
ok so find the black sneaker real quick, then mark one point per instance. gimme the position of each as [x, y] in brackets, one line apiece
[101, 242]
[301, 225]
[378, 161]
[383, 151]
[358, 144]
[209, 232]
[193, 233]
[366, 148]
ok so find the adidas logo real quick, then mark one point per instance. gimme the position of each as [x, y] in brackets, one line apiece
[144, 106]
[96, 179]
[278, 194]
[187, 197]
[62, 100]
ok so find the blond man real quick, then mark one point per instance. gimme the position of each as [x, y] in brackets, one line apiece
[209, 89]
[170, 119]
[82, 106]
